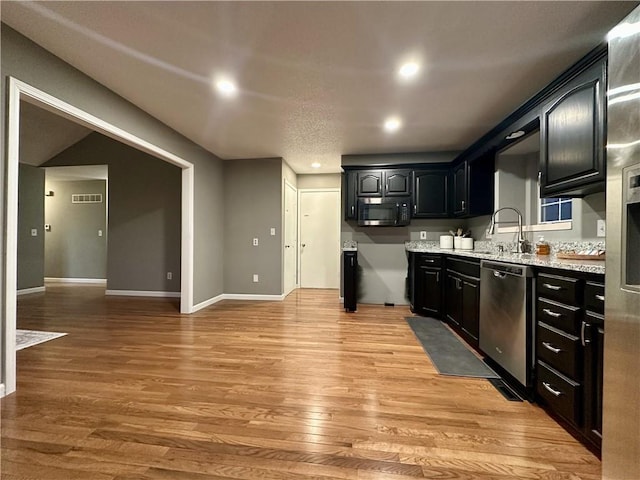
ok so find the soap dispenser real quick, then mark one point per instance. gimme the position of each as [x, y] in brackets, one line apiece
[542, 247]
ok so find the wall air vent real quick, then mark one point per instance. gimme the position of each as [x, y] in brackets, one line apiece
[86, 198]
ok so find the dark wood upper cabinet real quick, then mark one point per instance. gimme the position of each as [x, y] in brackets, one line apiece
[572, 132]
[473, 186]
[397, 183]
[350, 202]
[369, 183]
[431, 193]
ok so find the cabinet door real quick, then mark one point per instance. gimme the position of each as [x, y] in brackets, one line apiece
[430, 293]
[397, 183]
[453, 296]
[349, 180]
[471, 310]
[460, 189]
[572, 136]
[430, 189]
[369, 183]
[593, 340]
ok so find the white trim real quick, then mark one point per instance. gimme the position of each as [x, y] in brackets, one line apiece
[27, 291]
[19, 90]
[1, 390]
[238, 296]
[208, 303]
[96, 281]
[540, 227]
[284, 240]
[142, 293]
[254, 298]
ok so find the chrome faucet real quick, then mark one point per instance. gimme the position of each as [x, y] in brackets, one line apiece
[523, 245]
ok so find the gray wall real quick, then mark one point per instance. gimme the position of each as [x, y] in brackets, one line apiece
[144, 213]
[28, 62]
[30, 216]
[253, 196]
[73, 248]
[321, 180]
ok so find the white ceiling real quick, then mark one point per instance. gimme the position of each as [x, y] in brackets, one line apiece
[317, 79]
[80, 172]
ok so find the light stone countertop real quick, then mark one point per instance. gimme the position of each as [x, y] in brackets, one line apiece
[550, 261]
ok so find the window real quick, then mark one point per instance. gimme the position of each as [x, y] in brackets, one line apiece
[555, 210]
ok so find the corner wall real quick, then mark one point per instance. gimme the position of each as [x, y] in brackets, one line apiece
[30, 217]
[253, 205]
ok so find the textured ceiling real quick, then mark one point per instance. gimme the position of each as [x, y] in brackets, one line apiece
[317, 79]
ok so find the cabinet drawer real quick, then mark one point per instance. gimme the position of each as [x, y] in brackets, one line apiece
[560, 316]
[560, 393]
[562, 289]
[559, 350]
[594, 297]
[423, 260]
[466, 267]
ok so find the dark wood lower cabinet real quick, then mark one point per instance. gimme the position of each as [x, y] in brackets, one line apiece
[462, 298]
[425, 284]
[593, 361]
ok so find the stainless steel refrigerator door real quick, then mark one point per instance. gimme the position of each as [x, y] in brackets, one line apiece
[621, 405]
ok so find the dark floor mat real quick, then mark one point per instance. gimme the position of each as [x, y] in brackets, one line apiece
[449, 355]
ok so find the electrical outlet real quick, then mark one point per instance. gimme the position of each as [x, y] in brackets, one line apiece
[99, 233]
[423, 235]
[255, 278]
[273, 231]
[169, 276]
[34, 232]
[601, 228]
[255, 242]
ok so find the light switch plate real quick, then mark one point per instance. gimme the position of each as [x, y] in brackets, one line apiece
[601, 228]
[273, 231]
[255, 278]
[34, 232]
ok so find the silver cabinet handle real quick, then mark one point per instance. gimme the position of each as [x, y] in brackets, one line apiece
[463, 204]
[551, 313]
[351, 261]
[498, 274]
[584, 340]
[551, 287]
[428, 260]
[415, 209]
[600, 297]
[548, 346]
[555, 393]
[353, 210]
[437, 277]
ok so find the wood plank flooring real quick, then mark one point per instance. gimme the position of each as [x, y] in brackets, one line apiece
[257, 390]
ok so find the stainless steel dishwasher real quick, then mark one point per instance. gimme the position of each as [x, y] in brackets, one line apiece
[506, 318]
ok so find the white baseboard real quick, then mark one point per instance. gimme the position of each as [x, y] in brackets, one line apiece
[27, 291]
[97, 281]
[142, 293]
[238, 296]
[207, 303]
[1, 390]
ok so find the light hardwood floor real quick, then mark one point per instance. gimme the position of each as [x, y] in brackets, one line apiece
[263, 390]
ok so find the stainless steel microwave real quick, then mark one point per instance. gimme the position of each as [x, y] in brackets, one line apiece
[381, 212]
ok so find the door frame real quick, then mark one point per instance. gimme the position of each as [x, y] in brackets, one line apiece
[288, 184]
[19, 90]
[311, 190]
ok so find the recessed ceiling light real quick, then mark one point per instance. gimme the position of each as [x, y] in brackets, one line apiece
[392, 124]
[226, 87]
[315, 165]
[409, 70]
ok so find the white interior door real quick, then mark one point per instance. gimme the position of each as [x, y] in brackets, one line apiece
[319, 238]
[290, 238]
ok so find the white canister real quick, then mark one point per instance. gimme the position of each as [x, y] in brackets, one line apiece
[467, 243]
[457, 242]
[446, 241]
